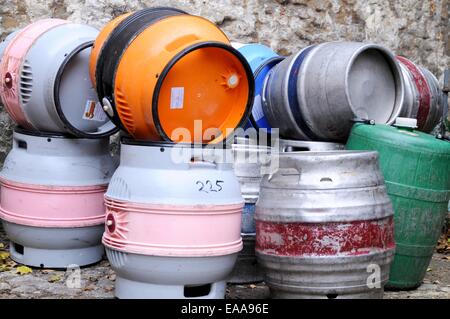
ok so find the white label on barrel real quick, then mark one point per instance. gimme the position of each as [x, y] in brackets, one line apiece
[93, 111]
[177, 98]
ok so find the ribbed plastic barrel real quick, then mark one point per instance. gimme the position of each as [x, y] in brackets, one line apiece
[173, 222]
[261, 59]
[324, 226]
[316, 93]
[423, 96]
[249, 160]
[44, 69]
[416, 167]
[52, 205]
[162, 74]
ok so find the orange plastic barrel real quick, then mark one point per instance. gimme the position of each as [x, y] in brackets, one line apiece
[176, 79]
[98, 44]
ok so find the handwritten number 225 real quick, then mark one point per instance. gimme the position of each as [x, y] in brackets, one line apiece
[208, 187]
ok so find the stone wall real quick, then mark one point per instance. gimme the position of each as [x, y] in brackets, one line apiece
[418, 29]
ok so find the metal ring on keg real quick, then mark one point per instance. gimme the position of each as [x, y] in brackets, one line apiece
[165, 144]
[274, 61]
[72, 129]
[292, 98]
[183, 53]
[115, 46]
[25, 131]
[292, 93]
[424, 90]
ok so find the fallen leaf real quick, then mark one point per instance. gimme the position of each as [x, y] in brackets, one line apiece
[2, 245]
[23, 270]
[253, 286]
[429, 269]
[55, 278]
[5, 267]
[448, 257]
[4, 255]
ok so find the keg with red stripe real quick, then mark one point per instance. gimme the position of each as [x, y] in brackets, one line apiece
[52, 190]
[324, 226]
[423, 97]
[173, 222]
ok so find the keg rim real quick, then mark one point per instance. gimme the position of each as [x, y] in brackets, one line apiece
[125, 140]
[56, 88]
[274, 60]
[176, 58]
[396, 71]
[28, 132]
[328, 153]
[286, 143]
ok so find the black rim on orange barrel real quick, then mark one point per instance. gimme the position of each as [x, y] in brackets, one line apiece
[161, 69]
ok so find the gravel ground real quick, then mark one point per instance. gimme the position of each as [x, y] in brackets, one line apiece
[97, 281]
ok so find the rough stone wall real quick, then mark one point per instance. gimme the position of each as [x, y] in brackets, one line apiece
[418, 29]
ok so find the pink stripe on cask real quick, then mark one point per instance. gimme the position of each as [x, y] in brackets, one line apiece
[52, 206]
[173, 230]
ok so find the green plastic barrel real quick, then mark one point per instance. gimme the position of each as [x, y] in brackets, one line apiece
[416, 168]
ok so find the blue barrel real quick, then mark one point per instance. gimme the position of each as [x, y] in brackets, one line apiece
[261, 59]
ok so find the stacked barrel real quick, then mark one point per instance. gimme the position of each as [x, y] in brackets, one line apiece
[149, 82]
[172, 227]
[173, 82]
[54, 178]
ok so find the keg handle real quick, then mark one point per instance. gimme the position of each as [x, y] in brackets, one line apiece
[20, 144]
[406, 124]
[286, 175]
[363, 121]
[197, 163]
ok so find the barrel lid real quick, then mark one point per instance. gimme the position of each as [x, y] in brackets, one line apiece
[405, 122]
[73, 88]
[374, 87]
